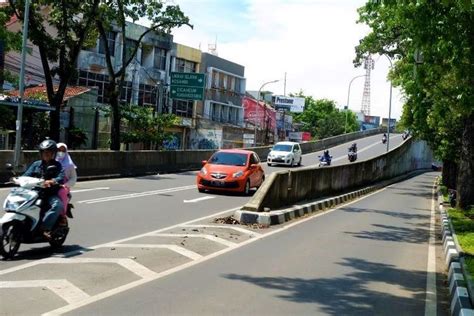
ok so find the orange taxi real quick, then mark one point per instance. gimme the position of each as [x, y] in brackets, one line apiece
[234, 170]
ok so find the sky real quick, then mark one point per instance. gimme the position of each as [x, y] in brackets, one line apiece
[311, 40]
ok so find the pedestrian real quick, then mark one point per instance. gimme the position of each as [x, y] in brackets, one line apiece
[70, 174]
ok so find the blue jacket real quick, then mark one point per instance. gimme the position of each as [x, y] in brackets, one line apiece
[38, 170]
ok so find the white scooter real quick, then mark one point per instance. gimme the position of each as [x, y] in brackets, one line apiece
[24, 209]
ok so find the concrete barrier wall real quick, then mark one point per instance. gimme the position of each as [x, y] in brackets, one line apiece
[106, 163]
[288, 187]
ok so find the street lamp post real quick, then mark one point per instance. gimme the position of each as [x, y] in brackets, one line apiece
[258, 110]
[389, 106]
[347, 104]
[19, 118]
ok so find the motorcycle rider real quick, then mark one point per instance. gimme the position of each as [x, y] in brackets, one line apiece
[353, 148]
[38, 169]
[384, 138]
[325, 156]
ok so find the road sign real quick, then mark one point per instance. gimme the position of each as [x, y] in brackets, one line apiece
[187, 86]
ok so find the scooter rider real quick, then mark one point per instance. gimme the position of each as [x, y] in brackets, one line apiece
[38, 169]
[353, 148]
[326, 156]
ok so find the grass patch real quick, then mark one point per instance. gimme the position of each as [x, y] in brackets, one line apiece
[463, 225]
[444, 192]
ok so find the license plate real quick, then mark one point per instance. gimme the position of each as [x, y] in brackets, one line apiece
[218, 183]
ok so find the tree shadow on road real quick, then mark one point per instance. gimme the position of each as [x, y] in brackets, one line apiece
[372, 289]
[395, 233]
[403, 215]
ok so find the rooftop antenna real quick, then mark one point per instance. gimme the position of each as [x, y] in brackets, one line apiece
[212, 48]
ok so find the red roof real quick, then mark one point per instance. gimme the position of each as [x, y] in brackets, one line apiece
[71, 91]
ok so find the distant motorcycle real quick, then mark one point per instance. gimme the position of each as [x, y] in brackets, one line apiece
[405, 135]
[384, 139]
[352, 155]
[324, 161]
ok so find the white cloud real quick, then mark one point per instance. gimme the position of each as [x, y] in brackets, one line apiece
[313, 41]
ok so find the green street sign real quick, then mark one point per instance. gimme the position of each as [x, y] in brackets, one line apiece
[187, 93]
[187, 79]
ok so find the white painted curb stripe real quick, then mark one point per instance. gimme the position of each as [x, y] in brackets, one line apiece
[182, 251]
[90, 189]
[63, 288]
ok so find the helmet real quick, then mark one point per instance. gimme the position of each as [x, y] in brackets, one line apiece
[49, 145]
[326, 152]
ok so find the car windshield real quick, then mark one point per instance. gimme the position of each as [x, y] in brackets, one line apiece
[228, 159]
[281, 147]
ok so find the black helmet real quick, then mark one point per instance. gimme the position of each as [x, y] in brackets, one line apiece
[49, 145]
[326, 152]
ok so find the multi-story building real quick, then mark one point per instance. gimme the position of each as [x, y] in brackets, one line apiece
[220, 117]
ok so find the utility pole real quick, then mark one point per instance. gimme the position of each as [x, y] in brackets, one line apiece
[284, 86]
[19, 116]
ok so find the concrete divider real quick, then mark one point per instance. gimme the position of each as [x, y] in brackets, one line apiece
[289, 187]
[105, 163]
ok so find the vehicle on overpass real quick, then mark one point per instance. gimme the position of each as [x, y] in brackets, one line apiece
[285, 153]
[232, 170]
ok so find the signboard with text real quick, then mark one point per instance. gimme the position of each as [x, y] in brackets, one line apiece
[187, 86]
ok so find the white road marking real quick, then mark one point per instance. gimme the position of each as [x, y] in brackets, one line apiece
[239, 229]
[206, 236]
[126, 287]
[91, 189]
[181, 250]
[199, 199]
[137, 195]
[62, 288]
[430, 300]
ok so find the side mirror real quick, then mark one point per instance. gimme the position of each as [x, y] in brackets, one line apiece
[253, 166]
[9, 166]
[203, 162]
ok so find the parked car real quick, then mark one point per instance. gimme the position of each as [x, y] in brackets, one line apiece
[232, 170]
[285, 153]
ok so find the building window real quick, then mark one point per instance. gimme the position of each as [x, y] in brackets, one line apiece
[130, 46]
[101, 82]
[183, 65]
[160, 58]
[183, 108]
[110, 42]
[147, 95]
[215, 79]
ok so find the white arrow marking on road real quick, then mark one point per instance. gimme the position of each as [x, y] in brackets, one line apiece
[199, 199]
[91, 189]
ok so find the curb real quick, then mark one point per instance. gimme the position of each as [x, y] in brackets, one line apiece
[460, 290]
[277, 217]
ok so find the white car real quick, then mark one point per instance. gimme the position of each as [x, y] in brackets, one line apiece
[285, 153]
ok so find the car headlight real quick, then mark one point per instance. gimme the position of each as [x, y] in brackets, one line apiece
[238, 174]
[203, 171]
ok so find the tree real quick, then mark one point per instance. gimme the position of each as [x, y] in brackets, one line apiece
[322, 119]
[111, 13]
[71, 22]
[9, 41]
[432, 44]
[145, 127]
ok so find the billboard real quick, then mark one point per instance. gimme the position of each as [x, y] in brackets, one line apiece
[292, 104]
[372, 120]
[258, 113]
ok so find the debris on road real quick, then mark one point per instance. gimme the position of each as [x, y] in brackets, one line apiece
[226, 220]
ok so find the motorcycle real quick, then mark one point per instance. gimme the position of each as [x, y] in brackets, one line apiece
[352, 155]
[24, 209]
[324, 162]
[405, 135]
[384, 140]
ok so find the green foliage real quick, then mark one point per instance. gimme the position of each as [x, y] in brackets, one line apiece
[463, 225]
[144, 126]
[439, 84]
[322, 119]
[76, 137]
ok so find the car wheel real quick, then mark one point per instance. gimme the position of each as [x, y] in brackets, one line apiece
[292, 164]
[269, 164]
[301, 160]
[201, 190]
[247, 188]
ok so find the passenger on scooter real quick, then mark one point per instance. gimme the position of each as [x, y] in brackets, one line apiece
[70, 175]
[38, 169]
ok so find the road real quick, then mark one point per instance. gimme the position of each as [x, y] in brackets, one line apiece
[156, 223]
